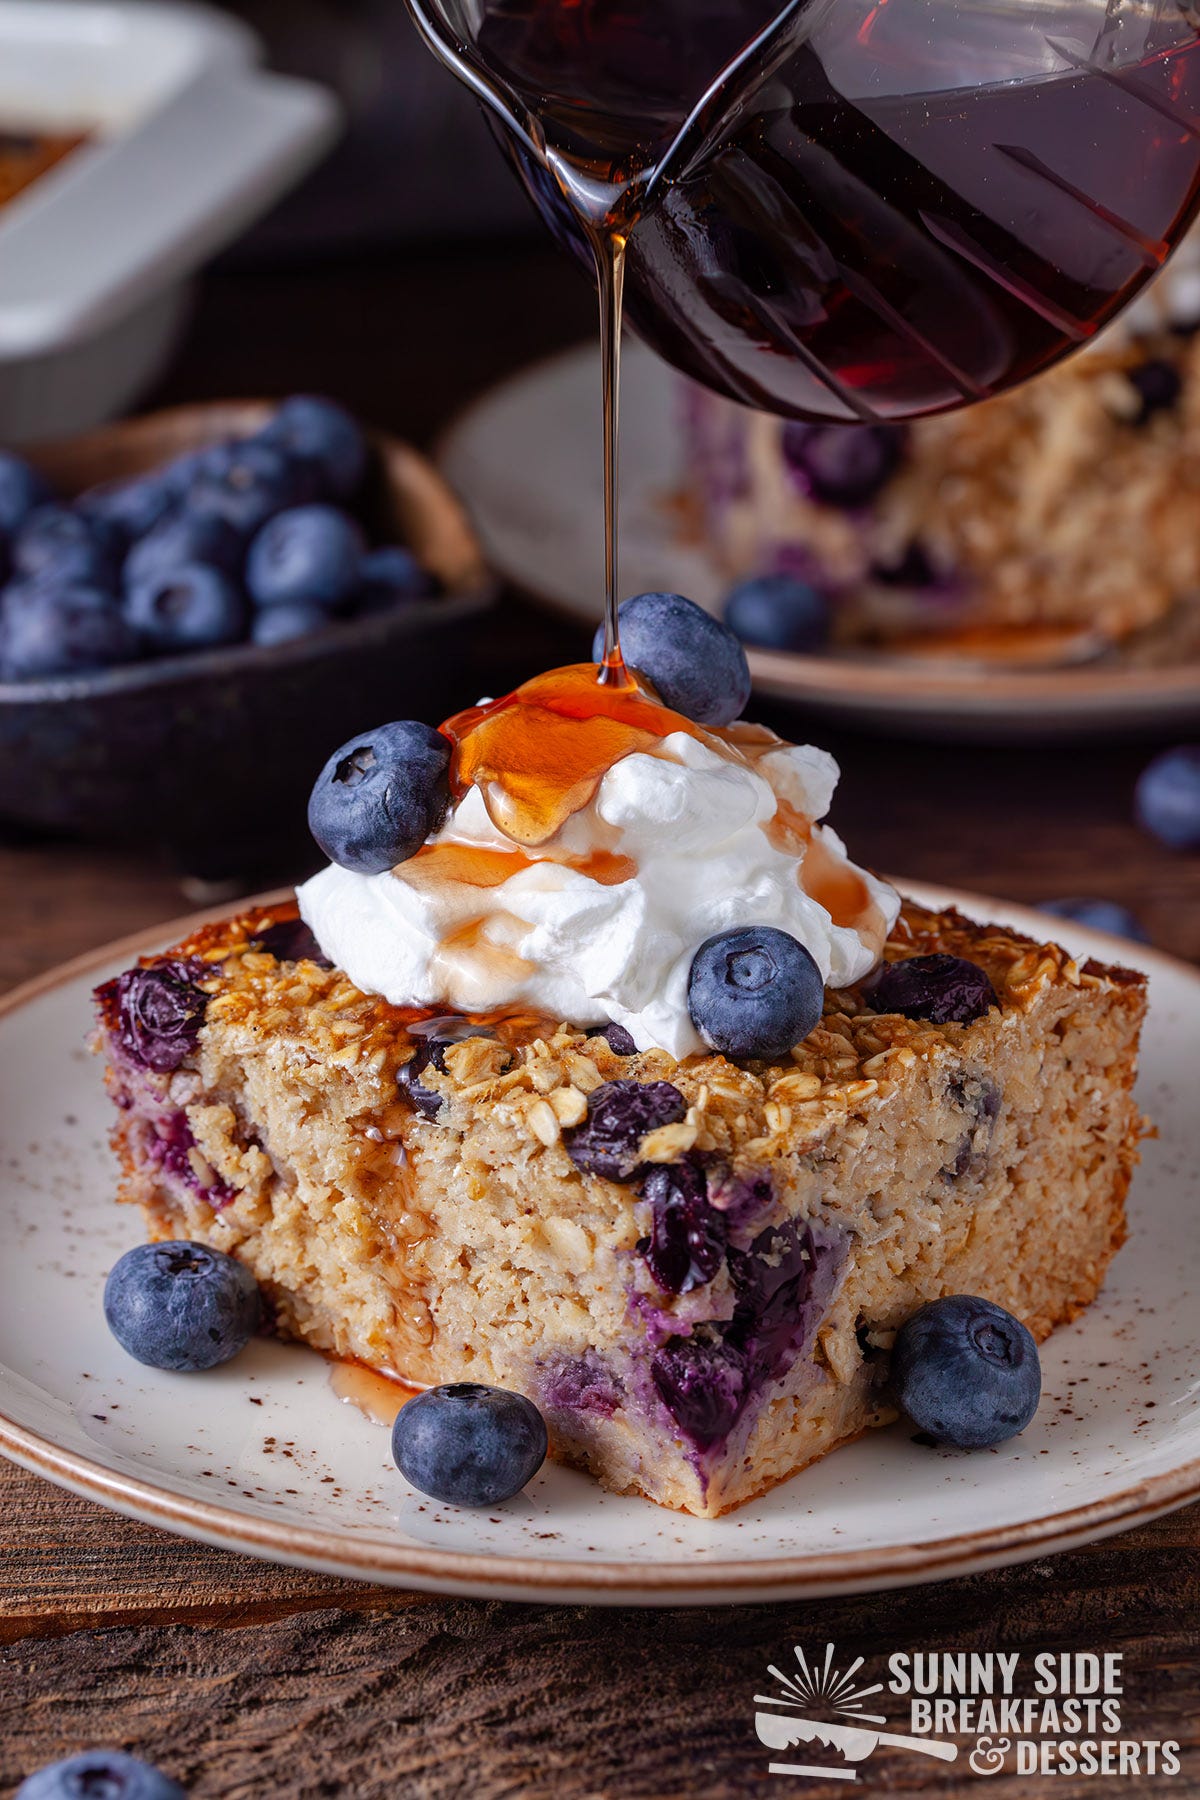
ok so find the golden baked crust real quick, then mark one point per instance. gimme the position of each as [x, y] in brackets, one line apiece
[888, 1161]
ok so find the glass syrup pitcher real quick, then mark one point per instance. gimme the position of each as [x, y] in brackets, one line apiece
[846, 210]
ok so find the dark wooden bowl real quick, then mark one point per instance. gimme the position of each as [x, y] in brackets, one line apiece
[213, 754]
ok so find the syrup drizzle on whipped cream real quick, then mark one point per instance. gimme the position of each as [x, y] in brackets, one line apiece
[594, 840]
[539, 754]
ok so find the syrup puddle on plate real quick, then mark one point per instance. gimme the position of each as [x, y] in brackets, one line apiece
[377, 1397]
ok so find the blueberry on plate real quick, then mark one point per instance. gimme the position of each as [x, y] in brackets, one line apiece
[284, 624]
[179, 540]
[754, 992]
[779, 612]
[322, 433]
[194, 607]
[378, 798]
[181, 1306]
[1100, 915]
[696, 664]
[62, 631]
[469, 1445]
[100, 1775]
[21, 490]
[947, 990]
[64, 545]
[308, 553]
[1167, 799]
[966, 1372]
[390, 576]
[257, 480]
[133, 507]
[843, 465]
[619, 1041]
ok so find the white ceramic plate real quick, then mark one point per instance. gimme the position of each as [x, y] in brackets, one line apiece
[526, 458]
[261, 1455]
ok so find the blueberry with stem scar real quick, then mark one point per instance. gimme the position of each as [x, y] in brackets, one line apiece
[378, 798]
[754, 992]
[966, 1372]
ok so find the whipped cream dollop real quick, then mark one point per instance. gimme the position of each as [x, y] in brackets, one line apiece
[602, 922]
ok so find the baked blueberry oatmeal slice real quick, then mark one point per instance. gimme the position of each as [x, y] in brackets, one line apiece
[593, 1069]
[695, 1267]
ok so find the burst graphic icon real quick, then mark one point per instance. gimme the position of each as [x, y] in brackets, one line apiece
[820, 1688]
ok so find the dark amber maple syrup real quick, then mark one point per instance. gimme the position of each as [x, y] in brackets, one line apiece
[854, 210]
[378, 1397]
[539, 754]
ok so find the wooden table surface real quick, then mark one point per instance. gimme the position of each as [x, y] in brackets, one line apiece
[247, 1680]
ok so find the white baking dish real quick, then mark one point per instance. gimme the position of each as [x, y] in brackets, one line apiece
[189, 140]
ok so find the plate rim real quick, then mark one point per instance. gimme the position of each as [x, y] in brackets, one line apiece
[605, 1580]
[884, 688]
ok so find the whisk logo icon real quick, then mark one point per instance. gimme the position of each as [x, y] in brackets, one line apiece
[818, 1703]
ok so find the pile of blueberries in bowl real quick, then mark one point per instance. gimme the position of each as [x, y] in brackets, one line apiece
[256, 538]
[207, 608]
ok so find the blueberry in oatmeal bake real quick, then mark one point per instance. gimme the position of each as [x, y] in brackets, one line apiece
[626, 1091]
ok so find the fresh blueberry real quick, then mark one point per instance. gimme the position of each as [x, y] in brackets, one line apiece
[754, 992]
[180, 540]
[696, 663]
[62, 631]
[159, 1012]
[60, 544]
[966, 1372]
[21, 490]
[390, 576]
[132, 507]
[258, 479]
[944, 989]
[469, 1445]
[324, 434]
[284, 624]
[181, 1306]
[100, 1775]
[1167, 801]
[843, 465]
[620, 1113]
[779, 612]
[433, 1037]
[619, 1040]
[178, 475]
[1100, 915]
[190, 608]
[686, 1246]
[1158, 385]
[378, 798]
[308, 554]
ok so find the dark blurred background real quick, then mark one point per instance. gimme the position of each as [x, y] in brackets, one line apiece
[416, 163]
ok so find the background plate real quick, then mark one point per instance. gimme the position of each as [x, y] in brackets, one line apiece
[261, 1456]
[526, 458]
